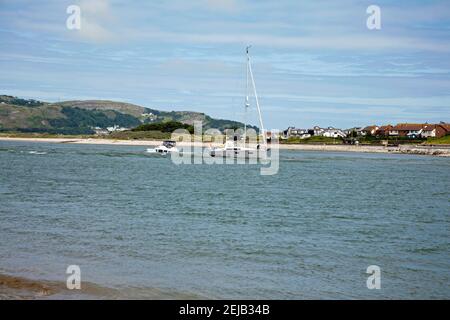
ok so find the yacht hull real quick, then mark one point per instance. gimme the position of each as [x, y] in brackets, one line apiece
[238, 154]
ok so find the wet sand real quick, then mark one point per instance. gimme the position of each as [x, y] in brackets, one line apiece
[20, 288]
[442, 151]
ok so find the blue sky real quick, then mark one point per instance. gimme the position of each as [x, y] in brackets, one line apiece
[315, 62]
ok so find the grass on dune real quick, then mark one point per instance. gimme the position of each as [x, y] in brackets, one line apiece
[442, 140]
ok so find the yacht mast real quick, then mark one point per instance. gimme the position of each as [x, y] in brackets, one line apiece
[246, 97]
[256, 97]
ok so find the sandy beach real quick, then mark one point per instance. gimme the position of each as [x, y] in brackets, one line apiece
[441, 151]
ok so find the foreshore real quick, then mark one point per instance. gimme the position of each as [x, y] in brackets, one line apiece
[433, 150]
[22, 288]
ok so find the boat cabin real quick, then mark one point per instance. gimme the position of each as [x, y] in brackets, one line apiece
[169, 143]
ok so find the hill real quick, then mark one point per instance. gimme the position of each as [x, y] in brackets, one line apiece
[122, 107]
[82, 116]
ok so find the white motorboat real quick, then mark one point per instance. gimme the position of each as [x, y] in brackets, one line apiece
[234, 148]
[166, 148]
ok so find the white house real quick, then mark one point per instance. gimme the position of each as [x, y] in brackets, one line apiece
[100, 131]
[295, 132]
[116, 128]
[334, 133]
[318, 131]
[150, 116]
[358, 131]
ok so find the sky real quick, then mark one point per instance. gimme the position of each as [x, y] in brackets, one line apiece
[314, 62]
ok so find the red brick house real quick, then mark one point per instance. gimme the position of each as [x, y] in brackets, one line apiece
[435, 130]
[406, 129]
[384, 130]
[370, 130]
[446, 126]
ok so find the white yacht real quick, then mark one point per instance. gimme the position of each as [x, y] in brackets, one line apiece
[235, 148]
[232, 149]
[167, 147]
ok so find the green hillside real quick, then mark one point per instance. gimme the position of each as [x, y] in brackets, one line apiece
[102, 105]
[81, 117]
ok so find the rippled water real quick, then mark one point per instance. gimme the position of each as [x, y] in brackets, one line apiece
[138, 223]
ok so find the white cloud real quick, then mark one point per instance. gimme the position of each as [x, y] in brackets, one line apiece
[97, 21]
[425, 102]
[93, 31]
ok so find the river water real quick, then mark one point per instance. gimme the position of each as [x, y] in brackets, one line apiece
[148, 228]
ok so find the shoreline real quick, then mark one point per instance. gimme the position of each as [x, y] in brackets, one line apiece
[432, 150]
[15, 287]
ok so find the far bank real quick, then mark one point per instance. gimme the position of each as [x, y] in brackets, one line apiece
[433, 150]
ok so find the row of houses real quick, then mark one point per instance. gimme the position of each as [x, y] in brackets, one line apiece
[316, 131]
[411, 130]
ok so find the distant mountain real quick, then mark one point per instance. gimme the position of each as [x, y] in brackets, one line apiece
[82, 116]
